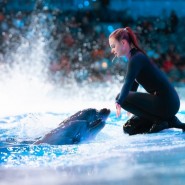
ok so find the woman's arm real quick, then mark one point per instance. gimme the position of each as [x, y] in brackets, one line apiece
[134, 67]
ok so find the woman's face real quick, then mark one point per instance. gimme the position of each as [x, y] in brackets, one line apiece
[119, 48]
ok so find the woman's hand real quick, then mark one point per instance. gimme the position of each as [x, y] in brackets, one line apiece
[129, 114]
[118, 110]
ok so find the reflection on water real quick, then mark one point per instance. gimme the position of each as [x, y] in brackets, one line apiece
[112, 158]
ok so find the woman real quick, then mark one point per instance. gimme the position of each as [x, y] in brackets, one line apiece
[161, 102]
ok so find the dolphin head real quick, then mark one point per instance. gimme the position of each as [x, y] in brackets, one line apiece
[80, 127]
[95, 121]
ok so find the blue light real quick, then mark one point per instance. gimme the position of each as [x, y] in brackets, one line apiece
[80, 6]
[86, 3]
[110, 28]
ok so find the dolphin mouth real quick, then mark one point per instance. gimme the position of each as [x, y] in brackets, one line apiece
[96, 123]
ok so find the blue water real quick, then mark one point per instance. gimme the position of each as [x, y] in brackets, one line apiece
[111, 158]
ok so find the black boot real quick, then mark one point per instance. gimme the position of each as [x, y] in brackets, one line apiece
[158, 126]
[174, 122]
[137, 125]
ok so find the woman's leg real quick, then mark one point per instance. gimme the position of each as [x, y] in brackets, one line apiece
[153, 108]
[145, 105]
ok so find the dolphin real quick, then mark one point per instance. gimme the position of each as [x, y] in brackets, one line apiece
[80, 127]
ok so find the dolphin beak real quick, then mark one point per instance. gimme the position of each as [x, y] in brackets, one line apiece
[105, 111]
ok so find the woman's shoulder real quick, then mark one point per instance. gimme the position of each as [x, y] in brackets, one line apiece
[139, 60]
[138, 55]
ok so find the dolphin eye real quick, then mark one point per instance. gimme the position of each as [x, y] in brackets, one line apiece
[76, 139]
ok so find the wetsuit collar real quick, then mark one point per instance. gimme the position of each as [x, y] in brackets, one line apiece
[133, 51]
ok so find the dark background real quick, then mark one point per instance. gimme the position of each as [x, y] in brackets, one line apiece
[77, 33]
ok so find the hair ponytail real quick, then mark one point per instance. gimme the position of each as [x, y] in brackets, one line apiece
[133, 39]
[127, 34]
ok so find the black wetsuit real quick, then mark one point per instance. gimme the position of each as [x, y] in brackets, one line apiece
[160, 102]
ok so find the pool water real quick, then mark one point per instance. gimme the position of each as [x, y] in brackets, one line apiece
[111, 158]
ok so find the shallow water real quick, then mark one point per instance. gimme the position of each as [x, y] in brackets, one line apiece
[111, 158]
[30, 108]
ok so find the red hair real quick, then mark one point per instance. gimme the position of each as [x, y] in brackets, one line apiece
[127, 34]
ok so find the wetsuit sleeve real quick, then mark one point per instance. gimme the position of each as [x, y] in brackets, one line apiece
[134, 86]
[134, 67]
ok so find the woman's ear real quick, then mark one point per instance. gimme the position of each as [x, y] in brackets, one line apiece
[123, 42]
[132, 45]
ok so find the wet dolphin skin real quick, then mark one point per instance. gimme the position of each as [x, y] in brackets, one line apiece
[80, 127]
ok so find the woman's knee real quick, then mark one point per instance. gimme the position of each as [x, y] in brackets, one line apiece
[125, 104]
